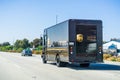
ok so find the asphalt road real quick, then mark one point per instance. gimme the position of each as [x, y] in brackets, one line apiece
[13, 66]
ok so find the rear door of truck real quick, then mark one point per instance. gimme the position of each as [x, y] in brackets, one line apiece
[87, 43]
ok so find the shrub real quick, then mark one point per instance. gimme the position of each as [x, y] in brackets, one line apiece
[37, 51]
[118, 59]
[105, 56]
[113, 58]
[12, 51]
[39, 47]
[3, 49]
[19, 50]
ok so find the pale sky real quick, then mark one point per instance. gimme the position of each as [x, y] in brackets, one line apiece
[27, 18]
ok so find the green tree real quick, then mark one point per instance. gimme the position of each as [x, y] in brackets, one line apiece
[25, 43]
[31, 44]
[9, 47]
[36, 42]
[0, 44]
[22, 43]
[41, 40]
[6, 44]
[18, 44]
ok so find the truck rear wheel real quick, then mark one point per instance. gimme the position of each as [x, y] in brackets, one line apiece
[59, 63]
[85, 65]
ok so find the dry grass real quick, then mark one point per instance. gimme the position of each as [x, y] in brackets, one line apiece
[118, 59]
[37, 51]
[111, 58]
[105, 56]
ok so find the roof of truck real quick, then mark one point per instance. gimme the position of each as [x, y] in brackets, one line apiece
[75, 20]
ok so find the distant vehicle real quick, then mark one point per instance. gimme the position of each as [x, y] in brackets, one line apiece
[73, 41]
[118, 54]
[27, 52]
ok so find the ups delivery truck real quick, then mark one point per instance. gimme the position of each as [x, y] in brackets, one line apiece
[73, 41]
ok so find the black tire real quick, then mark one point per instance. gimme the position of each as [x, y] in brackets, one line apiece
[64, 64]
[44, 58]
[85, 65]
[59, 63]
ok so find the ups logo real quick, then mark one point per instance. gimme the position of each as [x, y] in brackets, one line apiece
[79, 37]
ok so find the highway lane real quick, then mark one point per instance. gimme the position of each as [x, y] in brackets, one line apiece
[13, 66]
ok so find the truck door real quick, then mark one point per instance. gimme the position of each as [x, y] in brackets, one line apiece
[86, 43]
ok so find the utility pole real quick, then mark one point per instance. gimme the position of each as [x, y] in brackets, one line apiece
[56, 19]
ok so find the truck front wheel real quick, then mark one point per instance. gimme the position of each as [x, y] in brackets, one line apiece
[44, 58]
